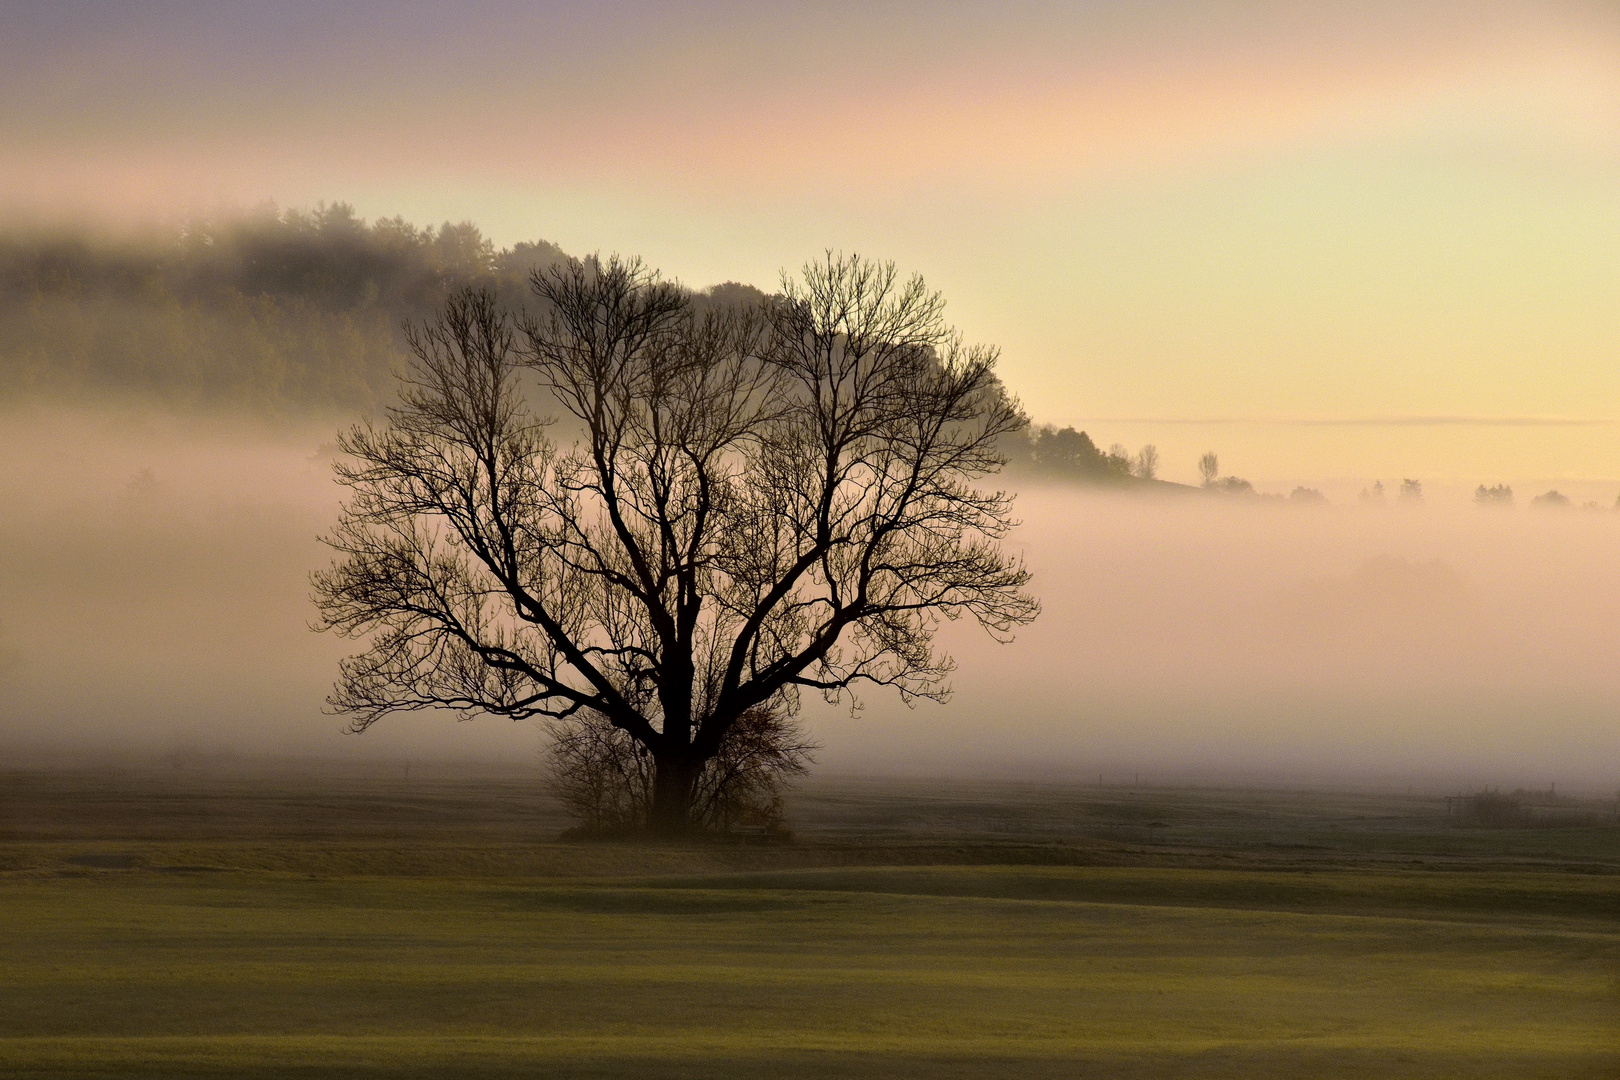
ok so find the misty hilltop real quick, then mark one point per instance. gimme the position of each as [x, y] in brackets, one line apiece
[284, 313]
[275, 311]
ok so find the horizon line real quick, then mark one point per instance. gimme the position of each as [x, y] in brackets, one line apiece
[1362, 421]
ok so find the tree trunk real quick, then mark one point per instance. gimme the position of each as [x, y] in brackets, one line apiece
[674, 784]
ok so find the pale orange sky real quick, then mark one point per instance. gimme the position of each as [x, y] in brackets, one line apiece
[1328, 240]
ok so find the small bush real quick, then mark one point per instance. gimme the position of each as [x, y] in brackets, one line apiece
[1493, 810]
[605, 777]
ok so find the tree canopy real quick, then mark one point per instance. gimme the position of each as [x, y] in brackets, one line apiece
[755, 501]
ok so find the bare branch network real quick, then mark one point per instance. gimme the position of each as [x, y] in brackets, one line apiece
[731, 506]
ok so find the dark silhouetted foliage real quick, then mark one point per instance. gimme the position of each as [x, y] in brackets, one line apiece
[1232, 485]
[1053, 453]
[273, 311]
[606, 778]
[1494, 810]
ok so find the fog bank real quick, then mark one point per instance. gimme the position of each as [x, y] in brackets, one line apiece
[1198, 635]
[154, 600]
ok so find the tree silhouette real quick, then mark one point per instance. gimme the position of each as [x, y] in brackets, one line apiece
[754, 503]
[1147, 462]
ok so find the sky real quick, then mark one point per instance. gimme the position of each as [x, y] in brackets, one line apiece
[1337, 239]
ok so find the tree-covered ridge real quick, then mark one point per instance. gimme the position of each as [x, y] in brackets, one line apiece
[1054, 453]
[289, 312]
[275, 311]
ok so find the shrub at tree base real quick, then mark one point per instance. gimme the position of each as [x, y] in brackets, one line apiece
[605, 777]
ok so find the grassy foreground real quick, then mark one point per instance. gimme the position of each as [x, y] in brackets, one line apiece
[350, 967]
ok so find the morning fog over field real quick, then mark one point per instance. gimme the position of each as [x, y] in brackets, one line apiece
[154, 598]
[1241, 373]
[1336, 243]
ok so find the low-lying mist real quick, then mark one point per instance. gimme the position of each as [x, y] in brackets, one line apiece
[154, 601]
[1197, 635]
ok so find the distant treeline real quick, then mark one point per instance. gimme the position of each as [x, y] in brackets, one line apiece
[1066, 454]
[286, 312]
[275, 311]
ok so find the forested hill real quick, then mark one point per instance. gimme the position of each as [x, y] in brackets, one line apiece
[277, 312]
[288, 313]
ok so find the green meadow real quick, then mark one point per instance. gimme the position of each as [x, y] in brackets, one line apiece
[231, 933]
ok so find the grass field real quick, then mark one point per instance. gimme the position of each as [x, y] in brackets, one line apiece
[190, 927]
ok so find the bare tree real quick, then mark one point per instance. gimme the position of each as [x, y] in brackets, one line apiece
[1209, 467]
[754, 504]
[1119, 459]
[1147, 462]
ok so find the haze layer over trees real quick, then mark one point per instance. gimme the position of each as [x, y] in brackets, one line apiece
[275, 311]
[285, 313]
